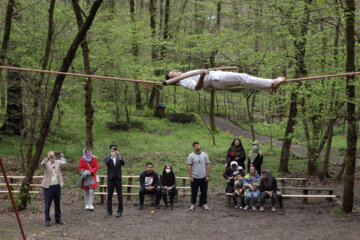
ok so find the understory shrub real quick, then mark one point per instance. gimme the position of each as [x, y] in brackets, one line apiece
[181, 117]
[125, 126]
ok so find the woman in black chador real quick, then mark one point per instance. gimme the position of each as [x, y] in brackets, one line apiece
[236, 153]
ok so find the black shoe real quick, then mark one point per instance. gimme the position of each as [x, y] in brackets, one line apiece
[118, 215]
[47, 223]
[172, 207]
[166, 206]
[141, 207]
[157, 206]
[60, 222]
[108, 215]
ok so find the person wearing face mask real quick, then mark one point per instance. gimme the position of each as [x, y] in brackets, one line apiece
[88, 166]
[52, 183]
[255, 157]
[114, 162]
[168, 186]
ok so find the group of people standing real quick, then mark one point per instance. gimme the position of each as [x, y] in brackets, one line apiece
[252, 185]
[255, 183]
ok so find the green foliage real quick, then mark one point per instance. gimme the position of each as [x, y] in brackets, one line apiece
[181, 117]
[125, 126]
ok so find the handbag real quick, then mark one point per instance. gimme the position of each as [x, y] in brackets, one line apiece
[97, 177]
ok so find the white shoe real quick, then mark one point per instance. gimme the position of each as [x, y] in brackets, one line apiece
[192, 207]
[254, 208]
[261, 209]
[87, 207]
[273, 209]
[236, 206]
[91, 207]
[246, 207]
[206, 207]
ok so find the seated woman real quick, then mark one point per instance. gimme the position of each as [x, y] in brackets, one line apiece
[268, 187]
[230, 174]
[239, 189]
[236, 153]
[168, 186]
[252, 183]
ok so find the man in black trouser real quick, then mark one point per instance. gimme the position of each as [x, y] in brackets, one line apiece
[149, 182]
[114, 163]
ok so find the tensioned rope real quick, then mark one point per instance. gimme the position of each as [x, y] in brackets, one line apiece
[166, 82]
[79, 75]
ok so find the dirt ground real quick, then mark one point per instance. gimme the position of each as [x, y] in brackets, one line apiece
[315, 220]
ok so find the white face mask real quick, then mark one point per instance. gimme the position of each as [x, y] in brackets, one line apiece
[168, 171]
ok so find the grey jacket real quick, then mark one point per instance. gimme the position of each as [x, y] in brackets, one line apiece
[88, 179]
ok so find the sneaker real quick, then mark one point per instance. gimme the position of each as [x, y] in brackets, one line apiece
[240, 207]
[157, 206]
[47, 223]
[118, 215]
[206, 207]
[246, 207]
[91, 207]
[108, 215]
[254, 208]
[141, 207]
[87, 207]
[172, 207]
[236, 206]
[60, 222]
[273, 209]
[261, 209]
[192, 207]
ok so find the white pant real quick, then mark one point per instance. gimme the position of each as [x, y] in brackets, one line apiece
[89, 196]
[221, 80]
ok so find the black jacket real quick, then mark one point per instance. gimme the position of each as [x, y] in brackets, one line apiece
[114, 172]
[273, 186]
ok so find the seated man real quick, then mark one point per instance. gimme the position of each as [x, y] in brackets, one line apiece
[268, 187]
[239, 189]
[149, 182]
[221, 80]
[230, 174]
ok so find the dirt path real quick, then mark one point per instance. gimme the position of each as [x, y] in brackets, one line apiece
[235, 130]
[296, 221]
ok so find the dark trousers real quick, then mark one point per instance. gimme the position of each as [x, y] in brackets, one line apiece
[111, 184]
[143, 192]
[264, 195]
[229, 188]
[242, 198]
[199, 182]
[52, 193]
[171, 194]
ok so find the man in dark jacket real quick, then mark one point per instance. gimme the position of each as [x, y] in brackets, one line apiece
[268, 187]
[114, 163]
[149, 182]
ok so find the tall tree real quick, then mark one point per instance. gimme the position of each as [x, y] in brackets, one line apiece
[351, 139]
[89, 109]
[299, 43]
[45, 123]
[4, 48]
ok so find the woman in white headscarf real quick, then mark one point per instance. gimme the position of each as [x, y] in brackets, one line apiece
[88, 166]
[230, 174]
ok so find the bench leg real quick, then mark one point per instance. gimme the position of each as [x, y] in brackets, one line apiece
[102, 197]
[228, 201]
[305, 192]
[280, 202]
[331, 192]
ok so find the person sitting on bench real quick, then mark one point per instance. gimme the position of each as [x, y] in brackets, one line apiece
[149, 182]
[221, 80]
[252, 182]
[239, 190]
[230, 174]
[268, 187]
[168, 186]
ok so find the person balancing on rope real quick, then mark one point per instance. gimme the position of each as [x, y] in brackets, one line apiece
[196, 80]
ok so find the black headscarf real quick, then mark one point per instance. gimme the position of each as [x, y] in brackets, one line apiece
[268, 182]
[237, 151]
[167, 179]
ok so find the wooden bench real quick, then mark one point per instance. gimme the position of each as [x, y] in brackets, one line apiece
[15, 184]
[183, 188]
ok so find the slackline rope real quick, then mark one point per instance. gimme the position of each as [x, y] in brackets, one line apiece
[160, 83]
[80, 75]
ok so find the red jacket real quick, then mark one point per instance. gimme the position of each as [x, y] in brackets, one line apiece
[94, 167]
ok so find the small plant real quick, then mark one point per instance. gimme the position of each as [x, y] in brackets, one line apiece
[125, 126]
[181, 117]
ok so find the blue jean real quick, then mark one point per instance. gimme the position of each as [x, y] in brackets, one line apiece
[52, 193]
[252, 195]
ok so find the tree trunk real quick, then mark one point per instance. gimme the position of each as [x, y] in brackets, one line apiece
[24, 195]
[14, 121]
[37, 90]
[4, 48]
[89, 110]
[351, 139]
